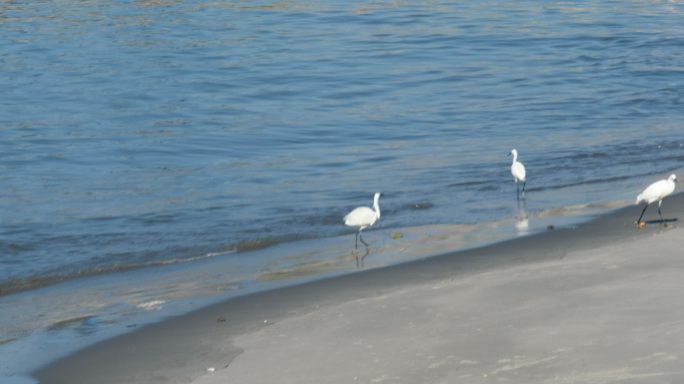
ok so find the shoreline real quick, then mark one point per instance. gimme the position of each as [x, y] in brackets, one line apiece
[453, 236]
[181, 349]
[78, 313]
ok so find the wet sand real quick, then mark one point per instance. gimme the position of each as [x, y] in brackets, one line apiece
[597, 303]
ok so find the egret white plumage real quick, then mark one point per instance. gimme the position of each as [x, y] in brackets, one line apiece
[656, 192]
[518, 172]
[363, 217]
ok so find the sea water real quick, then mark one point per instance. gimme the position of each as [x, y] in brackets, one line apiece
[141, 139]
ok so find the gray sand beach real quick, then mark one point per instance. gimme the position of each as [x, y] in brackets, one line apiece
[613, 314]
[598, 303]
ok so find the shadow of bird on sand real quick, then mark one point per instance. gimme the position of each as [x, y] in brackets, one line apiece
[664, 222]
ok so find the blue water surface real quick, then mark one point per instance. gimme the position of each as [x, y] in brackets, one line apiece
[138, 133]
[180, 135]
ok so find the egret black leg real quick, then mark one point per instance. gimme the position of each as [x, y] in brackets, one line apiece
[361, 238]
[364, 256]
[356, 243]
[517, 191]
[523, 191]
[662, 221]
[642, 214]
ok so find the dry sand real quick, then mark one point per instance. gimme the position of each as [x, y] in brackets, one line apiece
[614, 314]
[602, 303]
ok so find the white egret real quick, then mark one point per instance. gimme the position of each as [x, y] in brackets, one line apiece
[656, 192]
[363, 217]
[518, 172]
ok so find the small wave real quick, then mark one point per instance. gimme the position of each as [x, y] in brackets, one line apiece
[420, 206]
[157, 218]
[487, 188]
[469, 183]
[7, 247]
[256, 244]
[581, 209]
[586, 182]
[19, 284]
[151, 305]
[589, 155]
[104, 218]
[191, 259]
[7, 341]
[302, 270]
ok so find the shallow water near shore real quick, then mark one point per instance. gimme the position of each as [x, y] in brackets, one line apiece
[71, 315]
[209, 332]
[142, 143]
[148, 133]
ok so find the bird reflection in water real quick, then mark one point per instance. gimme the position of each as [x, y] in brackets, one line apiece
[359, 257]
[522, 219]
